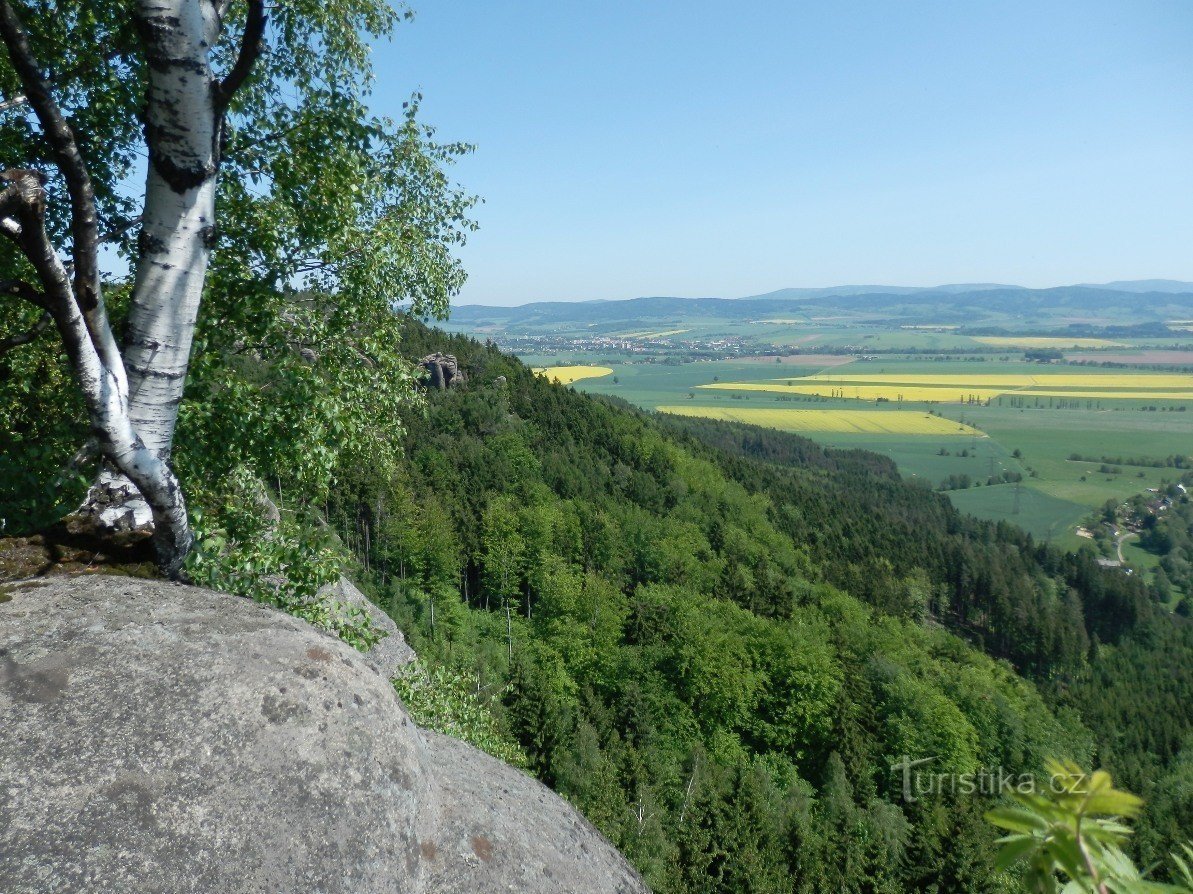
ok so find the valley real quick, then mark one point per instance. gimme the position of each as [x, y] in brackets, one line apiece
[987, 395]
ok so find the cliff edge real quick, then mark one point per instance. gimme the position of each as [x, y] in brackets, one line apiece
[162, 738]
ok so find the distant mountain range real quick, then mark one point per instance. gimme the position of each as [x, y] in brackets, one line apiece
[1137, 286]
[1125, 302]
[888, 290]
[1145, 285]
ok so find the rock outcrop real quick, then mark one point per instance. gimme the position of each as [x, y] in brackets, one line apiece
[444, 369]
[162, 738]
[392, 653]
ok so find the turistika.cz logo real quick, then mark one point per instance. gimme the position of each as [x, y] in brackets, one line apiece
[919, 781]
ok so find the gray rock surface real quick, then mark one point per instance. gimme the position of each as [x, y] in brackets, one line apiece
[392, 653]
[162, 738]
[444, 370]
[496, 821]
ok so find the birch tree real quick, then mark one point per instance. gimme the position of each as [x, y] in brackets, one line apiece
[328, 216]
[132, 400]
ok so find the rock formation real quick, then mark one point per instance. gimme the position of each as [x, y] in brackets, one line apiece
[162, 738]
[445, 371]
[389, 655]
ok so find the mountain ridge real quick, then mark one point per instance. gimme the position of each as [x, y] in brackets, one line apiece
[1130, 286]
[1154, 306]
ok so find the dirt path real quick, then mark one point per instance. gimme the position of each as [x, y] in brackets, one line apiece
[1118, 545]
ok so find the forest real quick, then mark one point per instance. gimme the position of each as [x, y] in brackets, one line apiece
[718, 640]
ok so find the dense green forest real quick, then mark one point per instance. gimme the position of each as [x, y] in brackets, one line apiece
[719, 640]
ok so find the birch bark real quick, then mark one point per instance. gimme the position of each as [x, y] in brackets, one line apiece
[178, 224]
[132, 400]
[182, 132]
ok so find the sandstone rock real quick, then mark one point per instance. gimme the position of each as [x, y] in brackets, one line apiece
[392, 653]
[162, 738]
[496, 821]
[444, 369]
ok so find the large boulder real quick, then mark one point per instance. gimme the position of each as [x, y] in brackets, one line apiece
[162, 738]
[444, 370]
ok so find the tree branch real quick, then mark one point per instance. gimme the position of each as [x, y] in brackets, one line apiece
[15, 102]
[20, 289]
[23, 203]
[61, 138]
[69, 161]
[29, 335]
[120, 229]
[251, 46]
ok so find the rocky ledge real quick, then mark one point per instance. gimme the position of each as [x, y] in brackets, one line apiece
[162, 738]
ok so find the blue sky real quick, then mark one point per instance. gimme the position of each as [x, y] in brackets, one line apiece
[693, 148]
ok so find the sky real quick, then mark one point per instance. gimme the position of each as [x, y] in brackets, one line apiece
[714, 149]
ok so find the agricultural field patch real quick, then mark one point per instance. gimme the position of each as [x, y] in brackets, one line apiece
[1032, 341]
[971, 388]
[901, 422]
[1152, 357]
[864, 391]
[665, 334]
[565, 375]
[1042, 515]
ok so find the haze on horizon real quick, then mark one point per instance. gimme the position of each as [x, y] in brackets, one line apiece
[686, 149]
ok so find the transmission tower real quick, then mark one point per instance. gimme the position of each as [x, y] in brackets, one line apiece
[1015, 508]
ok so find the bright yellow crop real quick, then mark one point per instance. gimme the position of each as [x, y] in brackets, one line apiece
[961, 388]
[568, 374]
[901, 422]
[1031, 341]
[951, 394]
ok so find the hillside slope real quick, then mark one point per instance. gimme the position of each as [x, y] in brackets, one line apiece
[718, 642]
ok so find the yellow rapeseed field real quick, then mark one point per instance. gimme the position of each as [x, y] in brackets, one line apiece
[962, 388]
[900, 422]
[568, 374]
[1106, 381]
[861, 391]
[1003, 380]
[1032, 341]
[1073, 394]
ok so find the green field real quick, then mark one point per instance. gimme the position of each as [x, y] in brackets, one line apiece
[1056, 493]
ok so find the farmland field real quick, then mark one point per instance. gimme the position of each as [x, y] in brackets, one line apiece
[864, 391]
[1102, 414]
[1027, 341]
[901, 422]
[666, 334]
[970, 388]
[566, 375]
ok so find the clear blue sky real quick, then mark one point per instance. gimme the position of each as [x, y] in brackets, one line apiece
[697, 148]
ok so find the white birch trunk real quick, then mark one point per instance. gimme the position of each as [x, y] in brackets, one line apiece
[102, 387]
[182, 133]
[132, 402]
